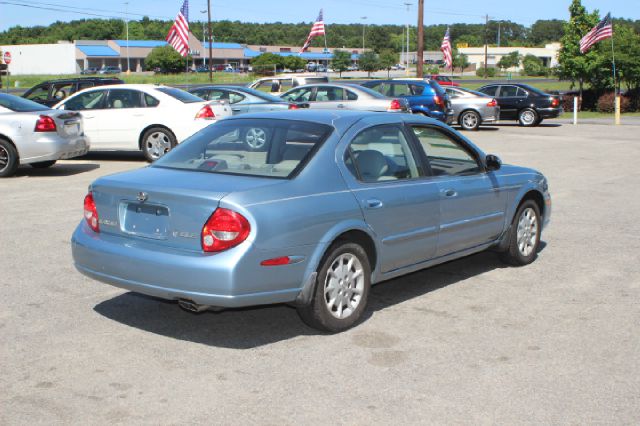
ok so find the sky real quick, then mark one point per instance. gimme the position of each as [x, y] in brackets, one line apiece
[335, 11]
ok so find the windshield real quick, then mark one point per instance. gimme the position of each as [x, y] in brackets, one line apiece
[252, 147]
[181, 95]
[17, 104]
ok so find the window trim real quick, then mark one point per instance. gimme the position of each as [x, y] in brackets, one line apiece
[462, 143]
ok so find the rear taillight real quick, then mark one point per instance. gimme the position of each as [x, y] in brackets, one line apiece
[293, 106]
[438, 101]
[206, 113]
[555, 102]
[223, 230]
[492, 103]
[45, 124]
[395, 105]
[91, 213]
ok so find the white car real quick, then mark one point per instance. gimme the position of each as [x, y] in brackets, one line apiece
[145, 117]
[31, 133]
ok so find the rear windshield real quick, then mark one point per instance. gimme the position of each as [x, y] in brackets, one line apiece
[437, 88]
[533, 89]
[259, 94]
[181, 95]
[252, 147]
[14, 103]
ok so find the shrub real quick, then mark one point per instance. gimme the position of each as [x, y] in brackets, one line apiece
[606, 103]
[491, 72]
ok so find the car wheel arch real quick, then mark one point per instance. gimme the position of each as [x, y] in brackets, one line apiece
[150, 126]
[469, 110]
[357, 232]
[8, 139]
[525, 195]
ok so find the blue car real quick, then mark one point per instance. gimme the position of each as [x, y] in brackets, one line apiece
[425, 97]
[333, 202]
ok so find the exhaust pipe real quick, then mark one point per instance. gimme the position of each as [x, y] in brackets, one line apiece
[191, 306]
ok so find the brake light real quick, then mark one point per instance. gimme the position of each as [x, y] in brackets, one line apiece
[555, 102]
[223, 230]
[438, 101]
[206, 113]
[91, 213]
[293, 106]
[492, 103]
[45, 124]
[395, 105]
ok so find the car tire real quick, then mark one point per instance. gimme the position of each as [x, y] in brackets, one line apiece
[43, 164]
[256, 138]
[341, 291]
[524, 235]
[9, 160]
[469, 120]
[528, 117]
[156, 142]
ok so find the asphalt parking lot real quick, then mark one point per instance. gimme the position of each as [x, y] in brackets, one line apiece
[469, 342]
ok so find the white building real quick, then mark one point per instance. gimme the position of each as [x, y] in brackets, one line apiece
[548, 54]
[53, 59]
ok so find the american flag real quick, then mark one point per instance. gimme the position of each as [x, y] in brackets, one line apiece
[178, 36]
[316, 30]
[446, 49]
[603, 30]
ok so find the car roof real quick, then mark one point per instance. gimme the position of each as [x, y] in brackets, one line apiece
[63, 80]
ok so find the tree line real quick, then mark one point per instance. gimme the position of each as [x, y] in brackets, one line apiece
[377, 37]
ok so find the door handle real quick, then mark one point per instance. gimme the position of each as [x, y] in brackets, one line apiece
[449, 192]
[374, 203]
[340, 106]
[236, 109]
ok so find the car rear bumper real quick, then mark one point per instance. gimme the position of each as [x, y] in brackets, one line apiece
[550, 112]
[229, 279]
[49, 147]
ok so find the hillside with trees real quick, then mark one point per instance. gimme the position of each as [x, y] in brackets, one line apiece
[378, 37]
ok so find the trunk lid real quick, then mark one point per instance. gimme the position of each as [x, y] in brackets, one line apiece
[69, 124]
[164, 206]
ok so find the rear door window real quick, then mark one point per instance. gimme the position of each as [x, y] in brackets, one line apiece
[508, 91]
[401, 89]
[381, 153]
[124, 98]
[329, 93]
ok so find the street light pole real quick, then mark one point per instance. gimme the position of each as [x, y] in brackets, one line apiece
[210, 42]
[364, 24]
[126, 22]
[407, 57]
[204, 36]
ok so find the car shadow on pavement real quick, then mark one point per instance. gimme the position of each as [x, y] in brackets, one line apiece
[113, 156]
[515, 124]
[257, 326]
[57, 170]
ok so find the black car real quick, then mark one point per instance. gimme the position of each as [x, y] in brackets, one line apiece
[51, 92]
[524, 103]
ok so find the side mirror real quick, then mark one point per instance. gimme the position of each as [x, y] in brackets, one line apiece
[493, 162]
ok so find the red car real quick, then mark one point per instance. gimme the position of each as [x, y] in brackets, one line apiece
[443, 80]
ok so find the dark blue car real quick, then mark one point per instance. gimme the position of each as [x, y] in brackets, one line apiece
[425, 96]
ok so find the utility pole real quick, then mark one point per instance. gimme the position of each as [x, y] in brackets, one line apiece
[420, 47]
[210, 42]
[364, 24]
[499, 22]
[486, 24]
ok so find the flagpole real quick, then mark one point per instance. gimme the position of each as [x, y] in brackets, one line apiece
[616, 99]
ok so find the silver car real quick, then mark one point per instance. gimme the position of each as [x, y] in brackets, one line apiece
[471, 108]
[344, 96]
[33, 134]
[242, 99]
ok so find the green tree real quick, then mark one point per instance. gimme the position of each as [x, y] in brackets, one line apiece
[268, 62]
[546, 31]
[369, 62]
[573, 65]
[533, 66]
[460, 60]
[511, 60]
[294, 62]
[387, 59]
[378, 39]
[166, 58]
[340, 60]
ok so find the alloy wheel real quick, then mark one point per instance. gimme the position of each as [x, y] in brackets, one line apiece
[344, 285]
[158, 144]
[527, 232]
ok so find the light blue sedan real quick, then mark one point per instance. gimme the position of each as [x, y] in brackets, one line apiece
[333, 202]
